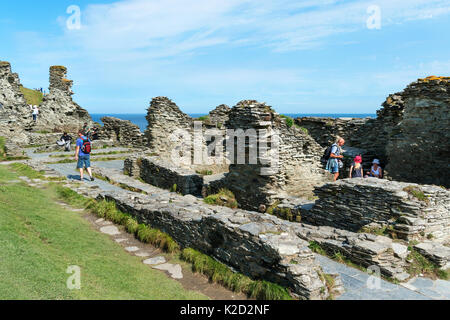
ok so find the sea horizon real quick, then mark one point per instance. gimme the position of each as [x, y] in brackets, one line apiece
[140, 120]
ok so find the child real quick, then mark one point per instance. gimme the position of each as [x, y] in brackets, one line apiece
[356, 170]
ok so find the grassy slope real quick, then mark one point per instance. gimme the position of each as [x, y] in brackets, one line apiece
[33, 97]
[39, 240]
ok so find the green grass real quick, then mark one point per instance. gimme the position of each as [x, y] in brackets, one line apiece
[32, 97]
[204, 118]
[421, 265]
[223, 198]
[26, 171]
[289, 120]
[108, 210]
[204, 172]
[40, 240]
[417, 193]
[217, 272]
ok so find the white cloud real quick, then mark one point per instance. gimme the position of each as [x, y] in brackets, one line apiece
[170, 27]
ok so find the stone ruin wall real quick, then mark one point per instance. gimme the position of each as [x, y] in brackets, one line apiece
[58, 112]
[419, 146]
[298, 168]
[122, 132]
[413, 212]
[297, 172]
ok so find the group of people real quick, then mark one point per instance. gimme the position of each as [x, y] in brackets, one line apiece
[333, 156]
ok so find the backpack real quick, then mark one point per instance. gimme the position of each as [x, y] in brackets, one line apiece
[326, 154]
[86, 148]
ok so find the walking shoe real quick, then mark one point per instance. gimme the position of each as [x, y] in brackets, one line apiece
[92, 179]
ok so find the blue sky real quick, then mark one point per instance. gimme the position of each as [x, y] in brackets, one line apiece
[298, 56]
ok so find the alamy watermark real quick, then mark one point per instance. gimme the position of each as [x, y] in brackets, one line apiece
[74, 281]
[374, 19]
[73, 22]
[230, 146]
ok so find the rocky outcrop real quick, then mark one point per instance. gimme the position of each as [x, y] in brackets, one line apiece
[122, 132]
[15, 115]
[411, 211]
[419, 145]
[58, 112]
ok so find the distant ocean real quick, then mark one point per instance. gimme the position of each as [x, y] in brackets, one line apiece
[139, 119]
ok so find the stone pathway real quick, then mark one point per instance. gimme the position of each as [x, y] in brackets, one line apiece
[358, 286]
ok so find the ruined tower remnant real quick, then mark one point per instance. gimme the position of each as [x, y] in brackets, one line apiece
[287, 158]
[164, 118]
[58, 112]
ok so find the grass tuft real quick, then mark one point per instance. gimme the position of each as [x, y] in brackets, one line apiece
[224, 198]
[217, 272]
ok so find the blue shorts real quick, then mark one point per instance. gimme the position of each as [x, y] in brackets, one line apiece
[332, 166]
[84, 162]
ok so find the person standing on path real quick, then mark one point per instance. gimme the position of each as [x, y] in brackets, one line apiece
[35, 113]
[83, 155]
[334, 163]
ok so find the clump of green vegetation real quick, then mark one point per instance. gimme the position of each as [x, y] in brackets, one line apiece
[108, 210]
[174, 188]
[284, 213]
[317, 248]
[219, 273]
[204, 118]
[224, 198]
[204, 172]
[25, 170]
[289, 120]
[32, 97]
[337, 256]
[421, 265]
[417, 193]
[304, 129]
[329, 282]
[387, 230]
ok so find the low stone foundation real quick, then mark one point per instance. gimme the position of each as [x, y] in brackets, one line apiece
[412, 211]
[164, 175]
[260, 246]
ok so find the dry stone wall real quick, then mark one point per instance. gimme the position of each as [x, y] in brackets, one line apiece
[411, 211]
[289, 165]
[163, 174]
[165, 118]
[260, 246]
[419, 147]
[123, 132]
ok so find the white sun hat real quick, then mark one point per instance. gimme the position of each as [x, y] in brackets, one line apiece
[376, 161]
